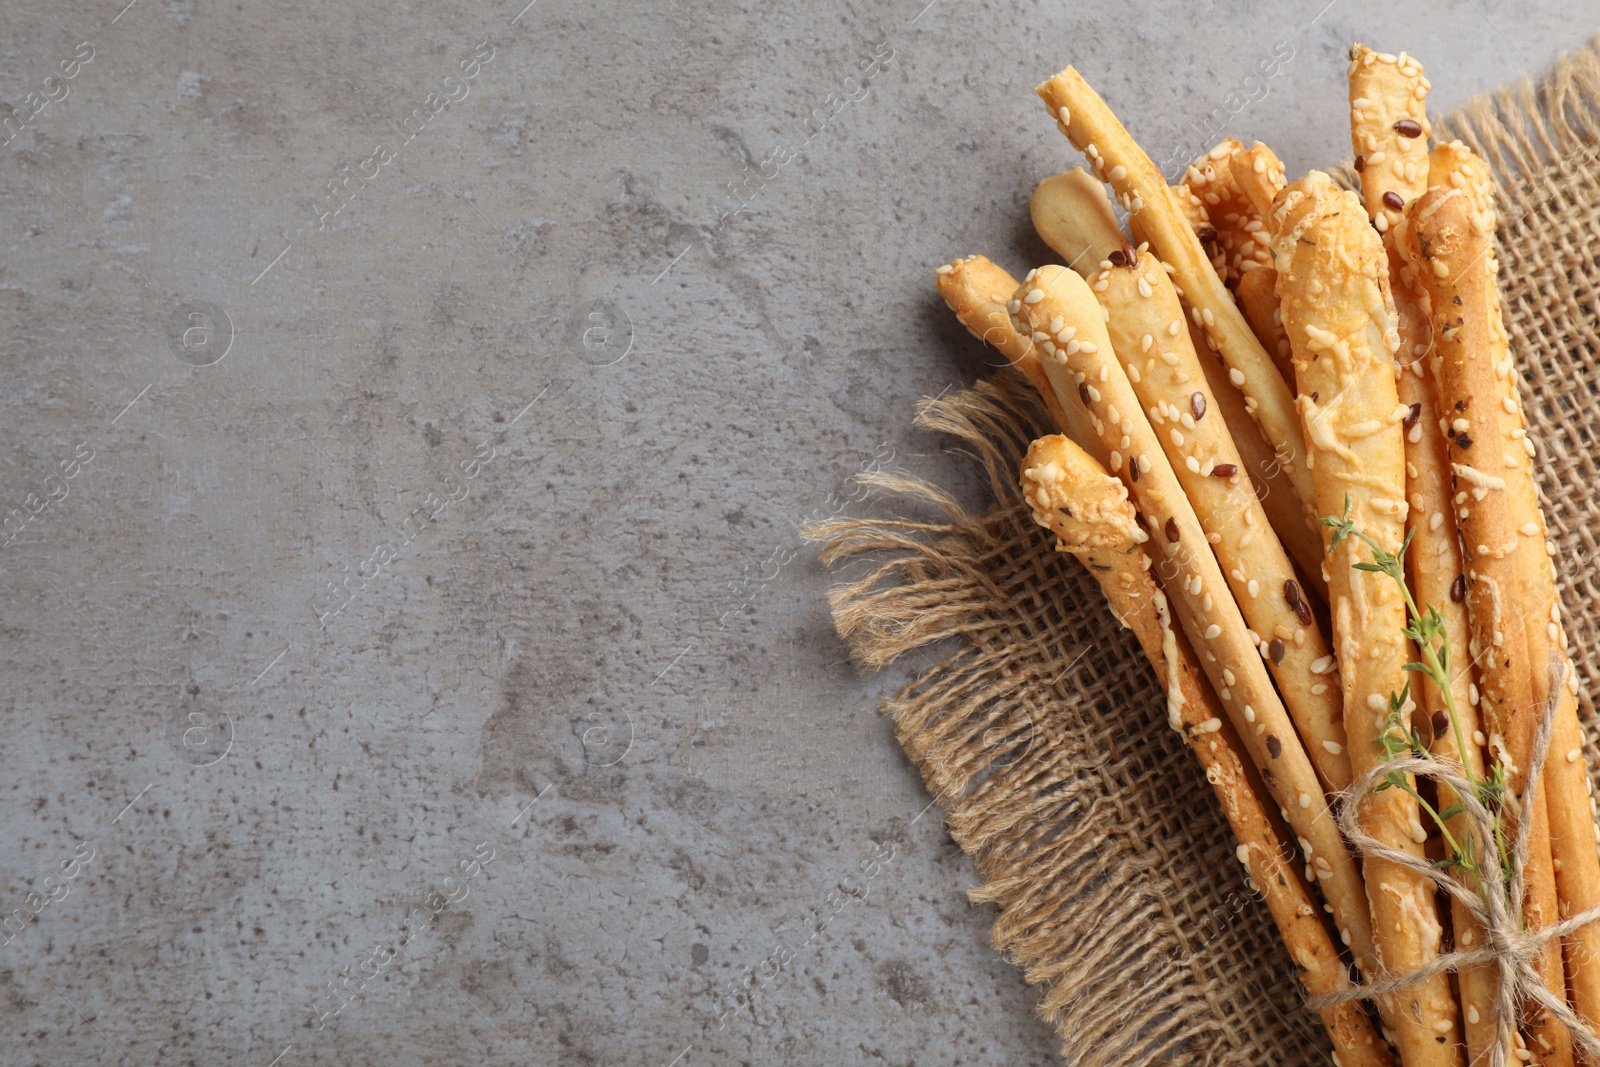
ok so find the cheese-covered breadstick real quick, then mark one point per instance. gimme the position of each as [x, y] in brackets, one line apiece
[1073, 216]
[1156, 217]
[1333, 288]
[977, 290]
[1566, 779]
[1079, 360]
[1388, 123]
[1448, 240]
[1088, 511]
[1146, 326]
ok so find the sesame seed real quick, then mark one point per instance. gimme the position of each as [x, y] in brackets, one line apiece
[1065, 116]
[1144, 288]
[1472, 1012]
[1118, 173]
[1213, 632]
[1574, 755]
[1207, 317]
[1087, 346]
[1034, 296]
[1174, 326]
[1177, 437]
[1305, 800]
[1145, 342]
[1192, 463]
[1253, 588]
[1236, 376]
[946, 269]
[1333, 748]
[1197, 404]
[1249, 713]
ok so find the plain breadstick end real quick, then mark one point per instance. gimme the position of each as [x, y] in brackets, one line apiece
[1072, 496]
[1073, 215]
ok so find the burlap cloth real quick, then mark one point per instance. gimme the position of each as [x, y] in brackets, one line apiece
[1042, 730]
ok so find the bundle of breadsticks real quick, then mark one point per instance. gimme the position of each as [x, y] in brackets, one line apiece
[1293, 455]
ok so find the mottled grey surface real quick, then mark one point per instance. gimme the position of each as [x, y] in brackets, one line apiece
[461, 522]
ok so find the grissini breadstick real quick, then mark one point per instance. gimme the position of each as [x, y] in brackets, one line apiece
[1146, 327]
[1333, 287]
[1073, 216]
[976, 289]
[1258, 172]
[1234, 219]
[1155, 216]
[1388, 131]
[1255, 177]
[1288, 518]
[1079, 361]
[1388, 125]
[1566, 778]
[1088, 511]
[1257, 294]
[1448, 240]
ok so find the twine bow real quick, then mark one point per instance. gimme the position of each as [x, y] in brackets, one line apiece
[1515, 950]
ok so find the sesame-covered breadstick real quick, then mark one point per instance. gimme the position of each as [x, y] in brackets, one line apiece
[1235, 221]
[1074, 218]
[1566, 777]
[1088, 511]
[976, 289]
[1146, 326]
[1156, 216]
[1079, 360]
[1333, 288]
[1289, 520]
[1448, 240]
[1388, 126]
[1246, 181]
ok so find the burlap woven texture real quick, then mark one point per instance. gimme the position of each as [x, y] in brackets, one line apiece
[1043, 734]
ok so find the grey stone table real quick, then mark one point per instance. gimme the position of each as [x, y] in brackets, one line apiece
[410, 656]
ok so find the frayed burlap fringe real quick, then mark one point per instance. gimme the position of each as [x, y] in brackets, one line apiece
[1041, 731]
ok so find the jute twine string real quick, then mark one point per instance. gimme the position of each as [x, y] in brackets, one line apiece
[1514, 950]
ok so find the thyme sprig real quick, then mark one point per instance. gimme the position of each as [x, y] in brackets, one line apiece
[1426, 629]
